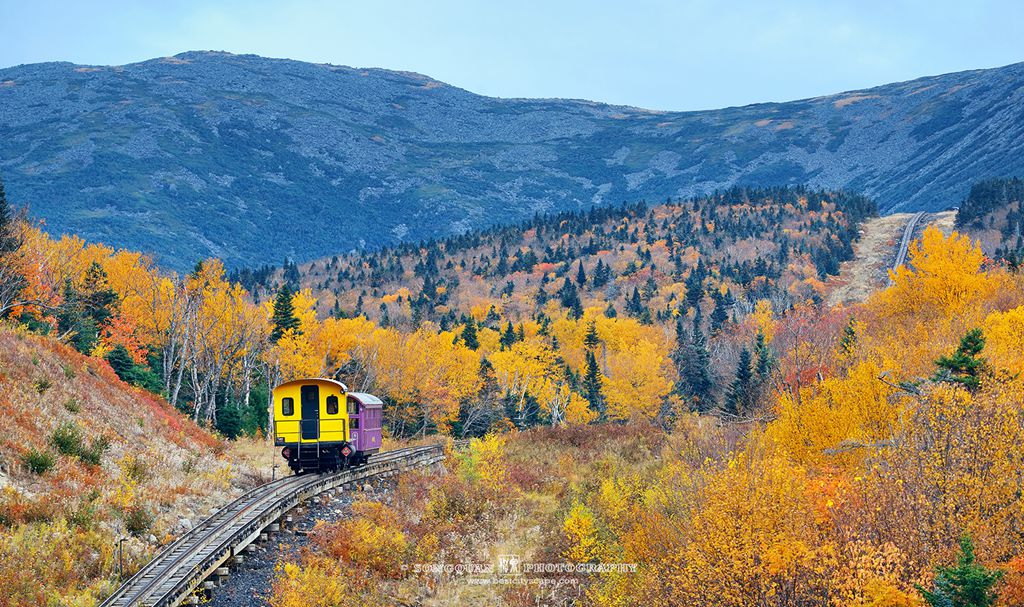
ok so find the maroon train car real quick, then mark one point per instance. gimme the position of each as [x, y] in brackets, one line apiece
[365, 414]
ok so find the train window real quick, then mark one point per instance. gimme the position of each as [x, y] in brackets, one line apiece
[332, 405]
[353, 406]
[287, 406]
[355, 423]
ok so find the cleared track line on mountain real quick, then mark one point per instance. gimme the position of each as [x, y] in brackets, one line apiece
[908, 235]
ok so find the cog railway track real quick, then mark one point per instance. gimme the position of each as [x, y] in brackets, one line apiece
[908, 235]
[182, 566]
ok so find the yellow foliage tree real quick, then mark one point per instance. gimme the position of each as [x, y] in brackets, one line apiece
[933, 301]
[427, 367]
[838, 419]
[1004, 334]
[954, 468]
[943, 276]
[753, 539]
[532, 368]
[639, 380]
[763, 319]
[484, 461]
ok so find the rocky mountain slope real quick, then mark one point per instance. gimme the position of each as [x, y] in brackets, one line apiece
[254, 159]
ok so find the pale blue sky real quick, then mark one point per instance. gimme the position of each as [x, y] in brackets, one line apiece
[657, 54]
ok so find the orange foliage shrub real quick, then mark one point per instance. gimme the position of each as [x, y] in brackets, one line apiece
[373, 539]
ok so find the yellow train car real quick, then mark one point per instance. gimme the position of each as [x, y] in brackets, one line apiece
[311, 424]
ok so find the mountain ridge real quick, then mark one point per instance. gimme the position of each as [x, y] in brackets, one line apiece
[215, 154]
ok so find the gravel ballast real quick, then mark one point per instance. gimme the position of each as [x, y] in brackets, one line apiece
[249, 583]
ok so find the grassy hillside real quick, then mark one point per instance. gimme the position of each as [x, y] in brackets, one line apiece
[253, 160]
[86, 459]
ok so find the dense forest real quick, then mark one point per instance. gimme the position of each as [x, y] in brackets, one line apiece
[615, 313]
[688, 272]
[758, 242]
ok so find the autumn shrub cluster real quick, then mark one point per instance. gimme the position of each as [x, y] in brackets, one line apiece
[865, 475]
[448, 515]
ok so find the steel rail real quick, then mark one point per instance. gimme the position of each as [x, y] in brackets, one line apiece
[908, 235]
[181, 566]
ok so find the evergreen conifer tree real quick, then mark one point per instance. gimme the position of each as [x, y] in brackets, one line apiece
[568, 295]
[848, 341]
[469, 336]
[765, 358]
[679, 355]
[98, 298]
[695, 285]
[697, 371]
[591, 339]
[9, 242]
[130, 371]
[284, 313]
[576, 311]
[229, 420]
[965, 365]
[720, 315]
[650, 288]
[291, 274]
[541, 297]
[592, 385]
[635, 307]
[601, 274]
[121, 362]
[82, 313]
[739, 397]
[12, 281]
[545, 325]
[966, 585]
[508, 336]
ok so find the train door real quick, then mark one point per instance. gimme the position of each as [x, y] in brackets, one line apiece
[310, 397]
[354, 425]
